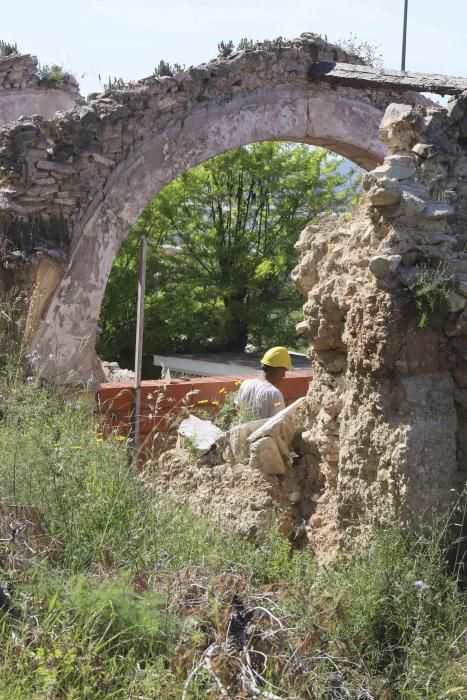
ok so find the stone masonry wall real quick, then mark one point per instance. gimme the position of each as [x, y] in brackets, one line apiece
[22, 92]
[387, 409]
[75, 184]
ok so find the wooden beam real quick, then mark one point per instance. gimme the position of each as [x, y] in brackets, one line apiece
[382, 78]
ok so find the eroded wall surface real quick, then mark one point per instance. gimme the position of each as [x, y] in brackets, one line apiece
[387, 320]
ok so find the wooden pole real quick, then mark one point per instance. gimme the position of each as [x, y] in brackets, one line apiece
[404, 35]
[139, 340]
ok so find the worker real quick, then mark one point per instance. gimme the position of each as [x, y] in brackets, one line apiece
[262, 394]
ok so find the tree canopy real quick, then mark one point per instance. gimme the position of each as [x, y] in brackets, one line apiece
[235, 220]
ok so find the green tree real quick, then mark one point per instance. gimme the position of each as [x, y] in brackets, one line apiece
[235, 220]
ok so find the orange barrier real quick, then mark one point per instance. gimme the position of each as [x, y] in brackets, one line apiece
[162, 401]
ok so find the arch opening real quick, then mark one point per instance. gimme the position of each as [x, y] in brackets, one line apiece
[221, 251]
[341, 121]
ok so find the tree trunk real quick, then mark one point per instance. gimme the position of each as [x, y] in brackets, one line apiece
[236, 336]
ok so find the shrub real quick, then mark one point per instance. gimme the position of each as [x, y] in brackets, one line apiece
[430, 290]
[7, 49]
[368, 53]
[53, 75]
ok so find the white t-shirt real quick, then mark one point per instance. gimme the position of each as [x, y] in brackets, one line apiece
[265, 399]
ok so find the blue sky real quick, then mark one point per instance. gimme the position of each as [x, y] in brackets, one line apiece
[127, 39]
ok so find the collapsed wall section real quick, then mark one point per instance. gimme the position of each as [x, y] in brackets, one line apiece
[387, 321]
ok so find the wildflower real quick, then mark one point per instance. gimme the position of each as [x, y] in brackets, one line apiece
[98, 439]
[50, 356]
[278, 403]
[421, 585]
[202, 401]
[222, 391]
[33, 357]
[120, 438]
[216, 403]
[29, 379]
[237, 383]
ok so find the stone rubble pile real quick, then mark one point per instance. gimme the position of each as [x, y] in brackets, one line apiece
[248, 478]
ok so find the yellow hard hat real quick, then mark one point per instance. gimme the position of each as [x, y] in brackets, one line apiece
[277, 357]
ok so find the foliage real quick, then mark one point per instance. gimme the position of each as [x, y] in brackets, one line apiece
[225, 48]
[7, 49]
[369, 53]
[230, 414]
[115, 594]
[114, 84]
[236, 219]
[53, 75]
[430, 290]
[164, 68]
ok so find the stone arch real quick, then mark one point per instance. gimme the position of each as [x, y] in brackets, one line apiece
[106, 160]
[280, 114]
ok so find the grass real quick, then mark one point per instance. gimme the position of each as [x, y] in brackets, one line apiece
[107, 593]
[53, 75]
[430, 290]
[7, 49]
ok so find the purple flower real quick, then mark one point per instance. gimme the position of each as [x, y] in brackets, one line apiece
[33, 357]
[50, 356]
[421, 585]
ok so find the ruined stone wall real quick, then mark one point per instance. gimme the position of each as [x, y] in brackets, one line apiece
[387, 409]
[22, 92]
[77, 183]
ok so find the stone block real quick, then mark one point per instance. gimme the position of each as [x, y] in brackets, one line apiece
[380, 197]
[235, 441]
[399, 167]
[461, 283]
[457, 108]
[437, 210]
[412, 203]
[383, 266]
[396, 113]
[456, 302]
[424, 150]
[265, 456]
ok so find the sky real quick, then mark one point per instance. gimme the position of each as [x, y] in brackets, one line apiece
[123, 39]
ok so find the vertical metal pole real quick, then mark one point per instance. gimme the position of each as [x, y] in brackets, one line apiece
[404, 35]
[139, 339]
